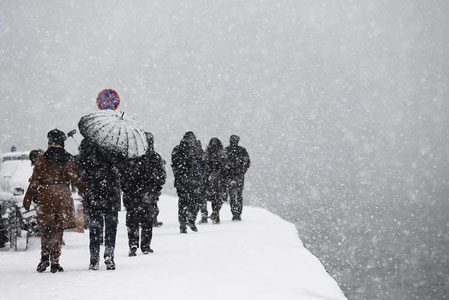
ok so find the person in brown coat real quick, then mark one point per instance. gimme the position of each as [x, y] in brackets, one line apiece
[53, 172]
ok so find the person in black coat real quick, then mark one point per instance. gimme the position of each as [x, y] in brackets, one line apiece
[215, 163]
[158, 175]
[101, 200]
[142, 178]
[201, 189]
[188, 180]
[237, 163]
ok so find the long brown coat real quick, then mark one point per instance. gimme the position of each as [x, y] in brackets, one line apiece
[55, 204]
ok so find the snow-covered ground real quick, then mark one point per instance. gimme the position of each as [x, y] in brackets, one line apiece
[258, 258]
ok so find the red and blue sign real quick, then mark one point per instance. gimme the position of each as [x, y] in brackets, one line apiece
[108, 99]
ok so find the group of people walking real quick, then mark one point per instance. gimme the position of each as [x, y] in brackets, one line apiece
[103, 179]
[212, 175]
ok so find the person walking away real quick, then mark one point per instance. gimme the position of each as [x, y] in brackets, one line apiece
[237, 163]
[132, 186]
[142, 182]
[216, 184]
[201, 205]
[158, 177]
[184, 167]
[52, 174]
[101, 200]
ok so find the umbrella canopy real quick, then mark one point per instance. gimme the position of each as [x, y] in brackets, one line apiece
[114, 131]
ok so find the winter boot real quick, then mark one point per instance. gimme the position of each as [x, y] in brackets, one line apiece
[43, 264]
[94, 265]
[156, 223]
[109, 262]
[146, 250]
[203, 219]
[183, 228]
[215, 218]
[236, 218]
[132, 251]
[193, 227]
[56, 268]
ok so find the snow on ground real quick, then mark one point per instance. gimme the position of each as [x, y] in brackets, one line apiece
[258, 258]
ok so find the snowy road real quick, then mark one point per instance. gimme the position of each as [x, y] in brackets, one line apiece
[258, 258]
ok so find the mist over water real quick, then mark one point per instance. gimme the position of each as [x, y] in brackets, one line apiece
[342, 106]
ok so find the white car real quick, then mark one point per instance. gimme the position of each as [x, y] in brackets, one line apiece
[15, 172]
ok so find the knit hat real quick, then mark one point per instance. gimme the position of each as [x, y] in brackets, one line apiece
[56, 137]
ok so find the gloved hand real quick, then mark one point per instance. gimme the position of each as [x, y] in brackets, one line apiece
[27, 207]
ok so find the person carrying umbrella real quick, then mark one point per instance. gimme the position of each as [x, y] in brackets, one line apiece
[101, 201]
[53, 172]
[110, 138]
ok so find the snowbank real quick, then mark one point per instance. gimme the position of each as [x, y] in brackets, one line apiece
[258, 258]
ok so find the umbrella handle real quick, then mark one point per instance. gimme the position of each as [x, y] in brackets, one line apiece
[75, 140]
[122, 115]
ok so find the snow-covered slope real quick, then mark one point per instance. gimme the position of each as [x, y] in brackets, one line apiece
[258, 258]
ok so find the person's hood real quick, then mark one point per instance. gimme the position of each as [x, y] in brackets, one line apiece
[189, 135]
[57, 156]
[184, 145]
[234, 140]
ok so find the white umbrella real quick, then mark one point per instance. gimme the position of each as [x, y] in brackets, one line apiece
[114, 131]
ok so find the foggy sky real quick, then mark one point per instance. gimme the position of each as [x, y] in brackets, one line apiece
[339, 103]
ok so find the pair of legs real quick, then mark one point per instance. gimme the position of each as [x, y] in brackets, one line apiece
[97, 220]
[216, 194]
[51, 243]
[201, 205]
[137, 218]
[187, 203]
[235, 191]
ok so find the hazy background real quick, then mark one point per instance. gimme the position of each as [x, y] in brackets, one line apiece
[342, 106]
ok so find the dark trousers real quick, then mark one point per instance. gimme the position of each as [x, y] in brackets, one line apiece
[136, 218]
[216, 194]
[187, 203]
[51, 243]
[97, 219]
[203, 207]
[235, 191]
[201, 203]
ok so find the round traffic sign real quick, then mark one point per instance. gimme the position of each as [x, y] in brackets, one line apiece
[108, 99]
